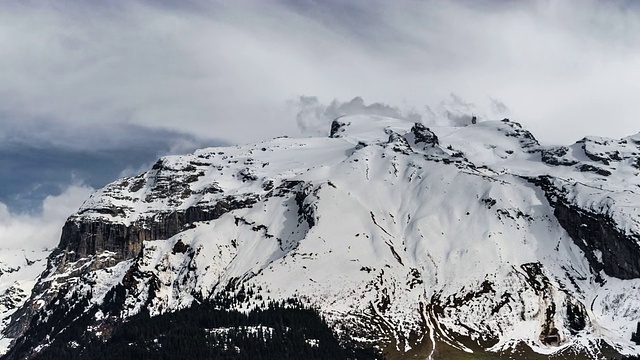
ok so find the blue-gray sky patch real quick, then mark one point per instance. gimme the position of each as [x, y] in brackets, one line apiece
[35, 166]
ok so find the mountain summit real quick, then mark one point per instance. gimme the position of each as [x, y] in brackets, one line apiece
[415, 241]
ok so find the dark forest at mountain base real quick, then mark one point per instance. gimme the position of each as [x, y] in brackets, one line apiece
[204, 331]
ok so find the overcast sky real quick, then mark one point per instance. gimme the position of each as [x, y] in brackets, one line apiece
[90, 91]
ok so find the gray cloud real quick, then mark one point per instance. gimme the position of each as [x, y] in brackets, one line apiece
[227, 68]
[455, 111]
[314, 118]
[498, 108]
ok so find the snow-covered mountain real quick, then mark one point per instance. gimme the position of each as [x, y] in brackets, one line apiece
[420, 241]
[19, 271]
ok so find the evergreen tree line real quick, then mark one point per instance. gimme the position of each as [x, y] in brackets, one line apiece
[206, 331]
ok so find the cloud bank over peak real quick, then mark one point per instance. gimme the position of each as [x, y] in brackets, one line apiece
[314, 117]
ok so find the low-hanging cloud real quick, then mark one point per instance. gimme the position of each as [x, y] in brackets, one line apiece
[315, 117]
[42, 229]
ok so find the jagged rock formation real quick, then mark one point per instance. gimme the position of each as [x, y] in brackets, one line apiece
[415, 239]
[635, 337]
[82, 237]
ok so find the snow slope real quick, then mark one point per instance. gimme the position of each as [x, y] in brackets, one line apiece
[19, 271]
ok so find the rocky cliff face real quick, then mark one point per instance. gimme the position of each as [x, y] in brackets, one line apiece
[83, 237]
[473, 238]
[607, 247]
[604, 241]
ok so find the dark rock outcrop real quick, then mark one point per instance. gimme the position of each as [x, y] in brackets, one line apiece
[635, 337]
[82, 237]
[605, 157]
[525, 138]
[336, 128]
[576, 316]
[597, 234]
[556, 156]
[594, 169]
[605, 245]
[423, 134]
[399, 144]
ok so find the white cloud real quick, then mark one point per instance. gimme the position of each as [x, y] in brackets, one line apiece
[314, 117]
[43, 229]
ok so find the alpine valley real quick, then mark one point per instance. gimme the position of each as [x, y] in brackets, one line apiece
[384, 239]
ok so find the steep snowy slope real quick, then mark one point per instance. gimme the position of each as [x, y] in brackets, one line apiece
[19, 271]
[407, 237]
